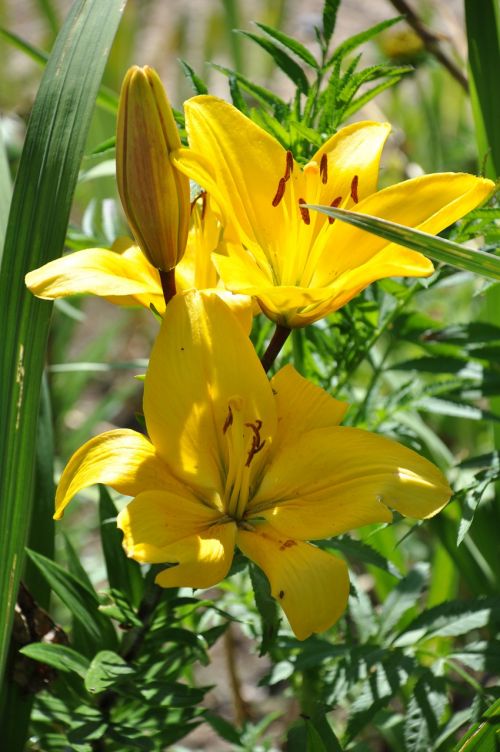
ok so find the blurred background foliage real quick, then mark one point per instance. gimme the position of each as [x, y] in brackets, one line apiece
[416, 660]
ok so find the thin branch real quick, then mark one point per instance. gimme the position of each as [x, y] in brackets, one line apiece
[431, 42]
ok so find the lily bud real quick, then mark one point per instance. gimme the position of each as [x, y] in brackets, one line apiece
[154, 194]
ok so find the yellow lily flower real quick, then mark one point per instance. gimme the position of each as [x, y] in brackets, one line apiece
[301, 265]
[124, 276]
[234, 459]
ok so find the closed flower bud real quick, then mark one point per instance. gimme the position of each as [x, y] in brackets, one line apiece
[154, 194]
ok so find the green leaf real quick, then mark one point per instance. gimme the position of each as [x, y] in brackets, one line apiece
[60, 657]
[404, 597]
[106, 670]
[450, 619]
[292, 44]
[124, 574]
[267, 608]
[359, 551]
[483, 736]
[196, 82]
[438, 249]
[75, 595]
[38, 219]
[261, 94]
[357, 39]
[330, 9]
[5, 192]
[282, 60]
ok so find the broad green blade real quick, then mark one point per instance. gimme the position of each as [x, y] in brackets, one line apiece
[483, 37]
[438, 249]
[5, 192]
[38, 220]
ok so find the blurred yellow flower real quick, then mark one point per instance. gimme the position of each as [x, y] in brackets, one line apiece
[234, 459]
[299, 264]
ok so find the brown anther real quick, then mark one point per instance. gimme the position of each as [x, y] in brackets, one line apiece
[336, 202]
[288, 544]
[289, 165]
[257, 444]
[202, 196]
[280, 192]
[354, 189]
[304, 213]
[229, 420]
[323, 169]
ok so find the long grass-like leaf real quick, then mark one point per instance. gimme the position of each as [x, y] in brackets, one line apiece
[438, 249]
[5, 192]
[36, 230]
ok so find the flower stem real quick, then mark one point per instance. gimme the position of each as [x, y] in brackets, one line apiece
[277, 341]
[168, 284]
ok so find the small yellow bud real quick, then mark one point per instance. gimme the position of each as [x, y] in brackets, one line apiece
[154, 194]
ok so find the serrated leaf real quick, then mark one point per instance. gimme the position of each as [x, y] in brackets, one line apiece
[106, 670]
[357, 39]
[404, 596]
[360, 551]
[197, 83]
[259, 92]
[282, 60]
[425, 708]
[292, 44]
[330, 9]
[449, 619]
[61, 657]
[436, 248]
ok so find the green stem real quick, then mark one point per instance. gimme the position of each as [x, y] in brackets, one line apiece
[278, 339]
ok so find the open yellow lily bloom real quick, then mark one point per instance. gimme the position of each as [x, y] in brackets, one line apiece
[124, 276]
[234, 459]
[301, 265]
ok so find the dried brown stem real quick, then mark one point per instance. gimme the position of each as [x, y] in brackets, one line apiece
[431, 41]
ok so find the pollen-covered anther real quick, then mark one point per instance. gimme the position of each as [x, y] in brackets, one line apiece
[257, 443]
[280, 192]
[336, 202]
[289, 165]
[354, 189]
[304, 212]
[323, 169]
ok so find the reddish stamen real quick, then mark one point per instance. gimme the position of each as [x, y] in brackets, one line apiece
[354, 189]
[323, 168]
[202, 196]
[289, 165]
[257, 444]
[336, 202]
[229, 420]
[280, 192]
[304, 213]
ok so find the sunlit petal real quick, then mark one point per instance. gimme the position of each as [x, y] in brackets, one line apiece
[201, 561]
[332, 480]
[310, 585]
[122, 459]
[201, 360]
[156, 519]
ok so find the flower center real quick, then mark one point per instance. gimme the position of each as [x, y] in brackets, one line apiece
[243, 441]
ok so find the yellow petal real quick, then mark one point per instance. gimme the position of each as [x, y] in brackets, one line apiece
[353, 151]
[332, 480]
[238, 163]
[302, 406]
[127, 278]
[201, 560]
[310, 585]
[122, 459]
[156, 519]
[429, 203]
[201, 360]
